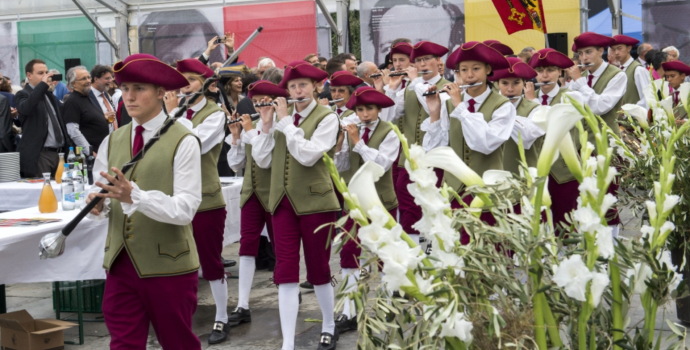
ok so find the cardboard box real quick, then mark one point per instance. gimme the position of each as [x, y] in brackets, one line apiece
[19, 331]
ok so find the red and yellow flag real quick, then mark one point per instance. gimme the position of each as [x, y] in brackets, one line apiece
[520, 15]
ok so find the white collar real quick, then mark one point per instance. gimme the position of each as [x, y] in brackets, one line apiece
[307, 111]
[343, 109]
[152, 124]
[628, 62]
[433, 80]
[601, 69]
[479, 99]
[96, 92]
[516, 102]
[551, 93]
[197, 107]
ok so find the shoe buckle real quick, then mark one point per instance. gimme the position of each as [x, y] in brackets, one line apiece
[341, 318]
[218, 326]
[325, 339]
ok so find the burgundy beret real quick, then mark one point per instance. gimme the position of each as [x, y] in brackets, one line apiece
[147, 69]
[588, 39]
[424, 48]
[518, 69]
[504, 49]
[677, 66]
[550, 57]
[401, 47]
[193, 65]
[624, 40]
[265, 87]
[367, 95]
[301, 69]
[345, 78]
[477, 51]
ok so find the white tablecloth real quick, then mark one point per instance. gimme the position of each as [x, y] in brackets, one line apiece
[83, 256]
[20, 195]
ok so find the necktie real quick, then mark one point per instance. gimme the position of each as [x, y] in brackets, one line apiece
[544, 100]
[108, 108]
[471, 102]
[53, 121]
[339, 111]
[589, 80]
[622, 67]
[190, 113]
[297, 117]
[138, 140]
[365, 137]
[675, 98]
[404, 82]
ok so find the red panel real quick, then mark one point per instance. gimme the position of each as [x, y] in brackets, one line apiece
[289, 32]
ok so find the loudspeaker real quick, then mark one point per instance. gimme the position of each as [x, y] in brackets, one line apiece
[558, 42]
[71, 62]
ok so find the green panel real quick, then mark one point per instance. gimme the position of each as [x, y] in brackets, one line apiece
[53, 40]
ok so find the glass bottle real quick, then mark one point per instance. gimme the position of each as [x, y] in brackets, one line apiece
[47, 203]
[61, 165]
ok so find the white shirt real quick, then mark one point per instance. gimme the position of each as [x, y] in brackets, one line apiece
[642, 62]
[479, 135]
[385, 155]
[552, 94]
[641, 76]
[237, 157]
[178, 209]
[342, 109]
[388, 114]
[211, 132]
[529, 131]
[104, 108]
[419, 86]
[306, 152]
[116, 97]
[612, 93]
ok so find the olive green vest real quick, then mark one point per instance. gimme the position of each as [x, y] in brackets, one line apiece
[156, 248]
[559, 170]
[411, 122]
[345, 114]
[679, 111]
[309, 189]
[256, 180]
[477, 161]
[384, 186]
[611, 117]
[511, 154]
[631, 95]
[211, 194]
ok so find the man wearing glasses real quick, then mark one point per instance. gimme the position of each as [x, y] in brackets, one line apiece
[86, 124]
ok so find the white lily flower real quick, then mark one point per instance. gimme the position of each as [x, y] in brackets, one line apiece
[458, 327]
[362, 185]
[445, 158]
[608, 202]
[589, 185]
[562, 117]
[572, 275]
[599, 283]
[605, 242]
[588, 220]
[640, 273]
[684, 90]
[670, 202]
[638, 113]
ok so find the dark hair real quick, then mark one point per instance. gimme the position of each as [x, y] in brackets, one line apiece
[99, 70]
[345, 56]
[30, 65]
[649, 56]
[319, 66]
[5, 85]
[334, 65]
[321, 59]
[248, 79]
[658, 59]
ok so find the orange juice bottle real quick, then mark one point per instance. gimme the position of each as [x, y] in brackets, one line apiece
[47, 203]
[61, 165]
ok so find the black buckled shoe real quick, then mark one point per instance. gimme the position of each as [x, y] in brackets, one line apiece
[344, 324]
[240, 315]
[228, 263]
[328, 340]
[306, 285]
[219, 333]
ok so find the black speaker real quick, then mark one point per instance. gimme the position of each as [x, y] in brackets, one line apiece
[71, 62]
[558, 42]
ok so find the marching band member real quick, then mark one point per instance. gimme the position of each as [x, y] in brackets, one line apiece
[511, 83]
[342, 86]
[504, 49]
[475, 123]
[411, 111]
[602, 87]
[548, 64]
[150, 252]
[206, 121]
[255, 213]
[302, 197]
[675, 73]
[368, 139]
[638, 76]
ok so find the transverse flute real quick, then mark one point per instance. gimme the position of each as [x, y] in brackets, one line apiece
[253, 116]
[463, 87]
[585, 65]
[334, 101]
[392, 74]
[360, 125]
[542, 84]
[288, 101]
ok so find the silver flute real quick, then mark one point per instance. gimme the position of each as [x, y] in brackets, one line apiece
[392, 74]
[585, 65]
[542, 84]
[463, 87]
[288, 101]
[360, 125]
[513, 97]
[334, 101]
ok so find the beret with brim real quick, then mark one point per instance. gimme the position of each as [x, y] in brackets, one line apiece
[345, 78]
[621, 39]
[677, 66]
[367, 95]
[193, 65]
[550, 57]
[265, 87]
[401, 47]
[477, 51]
[146, 69]
[518, 69]
[504, 49]
[588, 39]
[301, 69]
[424, 48]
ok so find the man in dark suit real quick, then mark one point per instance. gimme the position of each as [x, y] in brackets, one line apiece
[6, 133]
[43, 131]
[101, 77]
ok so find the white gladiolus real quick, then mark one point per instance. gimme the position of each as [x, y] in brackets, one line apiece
[355, 214]
[399, 255]
[608, 202]
[667, 227]
[449, 260]
[651, 210]
[640, 273]
[599, 283]
[588, 220]
[589, 185]
[665, 259]
[562, 117]
[424, 285]
[362, 185]
[428, 198]
[684, 90]
[605, 242]
[572, 275]
[670, 202]
[457, 326]
[667, 105]
[647, 233]
[638, 113]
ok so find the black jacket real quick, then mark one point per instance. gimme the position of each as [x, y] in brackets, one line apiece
[6, 134]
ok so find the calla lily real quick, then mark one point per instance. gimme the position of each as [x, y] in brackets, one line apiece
[667, 105]
[684, 91]
[362, 186]
[567, 150]
[546, 198]
[445, 158]
[540, 116]
[662, 85]
[562, 117]
[497, 178]
[637, 112]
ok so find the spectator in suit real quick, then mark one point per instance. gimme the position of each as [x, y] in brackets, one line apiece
[60, 88]
[43, 131]
[6, 90]
[6, 133]
[86, 124]
[101, 77]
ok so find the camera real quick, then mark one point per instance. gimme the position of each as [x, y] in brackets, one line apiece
[56, 77]
[220, 40]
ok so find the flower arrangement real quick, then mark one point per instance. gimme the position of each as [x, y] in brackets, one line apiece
[516, 284]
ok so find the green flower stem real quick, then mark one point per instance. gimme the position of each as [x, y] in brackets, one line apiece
[585, 313]
[538, 310]
[617, 304]
[551, 324]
